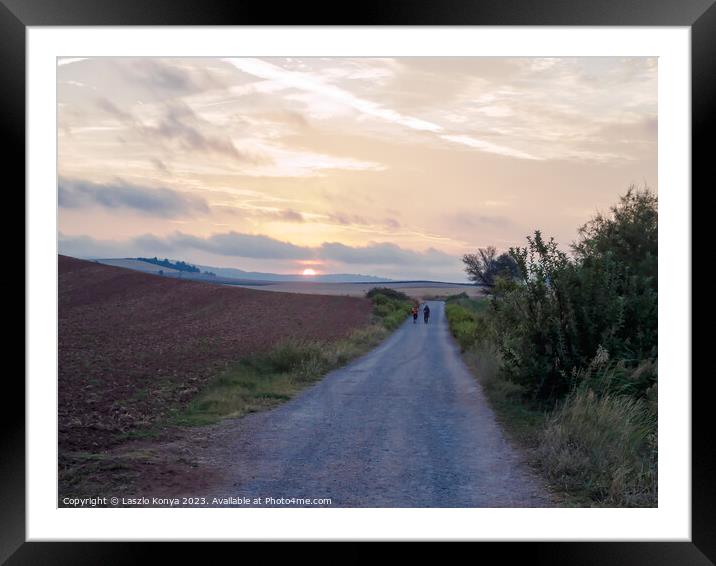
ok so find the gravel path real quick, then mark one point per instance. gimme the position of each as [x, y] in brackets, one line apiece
[406, 425]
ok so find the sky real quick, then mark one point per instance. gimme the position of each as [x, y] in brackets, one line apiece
[388, 167]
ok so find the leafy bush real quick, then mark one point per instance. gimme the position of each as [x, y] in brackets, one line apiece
[457, 297]
[390, 306]
[552, 320]
[387, 292]
[573, 339]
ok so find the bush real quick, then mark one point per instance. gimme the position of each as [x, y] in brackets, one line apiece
[603, 446]
[553, 319]
[387, 292]
[390, 306]
[453, 298]
[573, 339]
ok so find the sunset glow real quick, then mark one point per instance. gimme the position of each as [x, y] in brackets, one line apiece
[390, 167]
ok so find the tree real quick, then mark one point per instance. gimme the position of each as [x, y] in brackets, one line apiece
[484, 267]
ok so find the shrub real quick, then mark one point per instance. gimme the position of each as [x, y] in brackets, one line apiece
[383, 309]
[390, 306]
[552, 319]
[387, 292]
[574, 337]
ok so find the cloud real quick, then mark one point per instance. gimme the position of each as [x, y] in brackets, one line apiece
[228, 244]
[255, 246]
[310, 83]
[382, 254]
[88, 247]
[175, 125]
[241, 245]
[314, 84]
[170, 77]
[61, 61]
[477, 220]
[110, 108]
[159, 164]
[290, 216]
[151, 201]
[347, 219]
[490, 147]
[182, 126]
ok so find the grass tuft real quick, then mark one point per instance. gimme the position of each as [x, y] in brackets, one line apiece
[603, 446]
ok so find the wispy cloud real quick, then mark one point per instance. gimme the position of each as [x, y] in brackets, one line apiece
[178, 123]
[490, 147]
[307, 82]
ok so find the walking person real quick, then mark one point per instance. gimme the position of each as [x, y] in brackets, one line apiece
[415, 314]
[426, 313]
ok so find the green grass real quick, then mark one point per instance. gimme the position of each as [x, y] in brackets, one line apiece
[390, 307]
[264, 381]
[464, 318]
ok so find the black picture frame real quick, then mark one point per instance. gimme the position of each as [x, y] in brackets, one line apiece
[699, 15]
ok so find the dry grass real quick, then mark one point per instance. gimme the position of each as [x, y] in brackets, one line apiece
[604, 447]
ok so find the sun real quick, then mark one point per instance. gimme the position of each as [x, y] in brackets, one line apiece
[309, 272]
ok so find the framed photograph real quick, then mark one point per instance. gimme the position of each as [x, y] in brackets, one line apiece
[295, 278]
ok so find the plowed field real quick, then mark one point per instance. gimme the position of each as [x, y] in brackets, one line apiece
[133, 345]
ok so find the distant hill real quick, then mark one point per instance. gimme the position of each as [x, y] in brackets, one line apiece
[220, 274]
[326, 278]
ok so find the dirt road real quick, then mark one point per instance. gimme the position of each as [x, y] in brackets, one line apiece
[403, 426]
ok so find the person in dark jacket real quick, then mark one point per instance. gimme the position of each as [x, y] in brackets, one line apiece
[426, 313]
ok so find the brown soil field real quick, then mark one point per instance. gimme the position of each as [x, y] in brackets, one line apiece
[133, 345]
